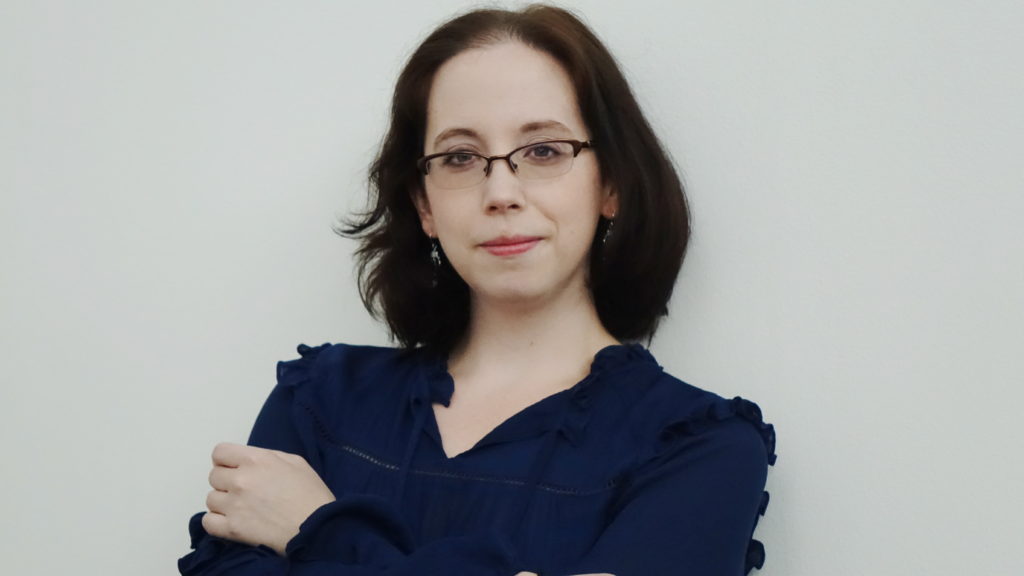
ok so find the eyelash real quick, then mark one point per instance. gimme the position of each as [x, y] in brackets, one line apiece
[474, 151]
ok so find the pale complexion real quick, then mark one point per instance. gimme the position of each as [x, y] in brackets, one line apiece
[533, 329]
[261, 496]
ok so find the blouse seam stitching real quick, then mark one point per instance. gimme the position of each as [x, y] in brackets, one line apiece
[352, 450]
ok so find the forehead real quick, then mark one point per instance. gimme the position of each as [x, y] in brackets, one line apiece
[497, 90]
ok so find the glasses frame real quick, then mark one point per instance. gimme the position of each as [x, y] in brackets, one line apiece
[577, 147]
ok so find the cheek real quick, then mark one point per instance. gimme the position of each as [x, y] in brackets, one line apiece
[579, 223]
[453, 228]
[587, 205]
[448, 219]
[443, 210]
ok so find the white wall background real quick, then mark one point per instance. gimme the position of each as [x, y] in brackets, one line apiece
[169, 172]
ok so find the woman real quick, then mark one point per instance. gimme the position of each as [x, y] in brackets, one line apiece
[526, 223]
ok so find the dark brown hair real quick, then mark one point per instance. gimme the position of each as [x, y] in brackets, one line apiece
[631, 275]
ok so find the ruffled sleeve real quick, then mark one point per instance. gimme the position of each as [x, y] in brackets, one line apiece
[276, 428]
[692, 503]
[356, 535]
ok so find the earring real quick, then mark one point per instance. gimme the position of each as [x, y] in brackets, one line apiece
[608, 230]
[435, 253]
[435, 258]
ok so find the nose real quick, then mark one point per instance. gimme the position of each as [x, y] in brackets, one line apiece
[502, 190]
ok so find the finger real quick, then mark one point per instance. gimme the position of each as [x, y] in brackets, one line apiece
[223, 478]
[234, 455]
[226, 454]
[218, 502]
[215, 524]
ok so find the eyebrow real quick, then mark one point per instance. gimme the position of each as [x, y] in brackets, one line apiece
[524, 129]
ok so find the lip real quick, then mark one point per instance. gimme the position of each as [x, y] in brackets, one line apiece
[510, 245]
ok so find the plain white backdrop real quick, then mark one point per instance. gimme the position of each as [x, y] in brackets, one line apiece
[170, 172]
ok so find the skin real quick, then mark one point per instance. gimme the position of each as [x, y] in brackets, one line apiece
[261, 496]
[533, 328]
[496, 91]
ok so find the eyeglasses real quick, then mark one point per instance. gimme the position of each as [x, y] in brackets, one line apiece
[535, 161]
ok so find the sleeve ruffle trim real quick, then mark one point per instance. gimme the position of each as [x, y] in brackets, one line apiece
[747, 410]
[720, 410]
[299, 375]
[210, 552]
[293, 373]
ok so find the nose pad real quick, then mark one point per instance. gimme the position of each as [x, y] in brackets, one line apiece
[512, 166]
[503, 192]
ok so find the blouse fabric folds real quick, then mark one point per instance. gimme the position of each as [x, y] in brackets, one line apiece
[631, 471]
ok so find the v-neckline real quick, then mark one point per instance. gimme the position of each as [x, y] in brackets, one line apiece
[512, 427]
[441, 387]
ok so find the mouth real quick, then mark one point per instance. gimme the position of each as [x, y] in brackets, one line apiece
[510, 245]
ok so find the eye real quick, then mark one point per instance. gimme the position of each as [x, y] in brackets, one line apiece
[458, 159]
[544, 151]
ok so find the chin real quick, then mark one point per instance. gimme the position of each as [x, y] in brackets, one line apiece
[519, 290]
[511, 293]
[525, 285]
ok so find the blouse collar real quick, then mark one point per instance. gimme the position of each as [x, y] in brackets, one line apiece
[568, 410]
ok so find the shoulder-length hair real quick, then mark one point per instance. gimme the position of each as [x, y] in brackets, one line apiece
[632, 271]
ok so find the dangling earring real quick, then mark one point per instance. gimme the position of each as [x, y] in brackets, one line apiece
[608, 230]
[435, 253]
[435, 258]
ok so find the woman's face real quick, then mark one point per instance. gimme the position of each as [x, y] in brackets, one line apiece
[512, 240]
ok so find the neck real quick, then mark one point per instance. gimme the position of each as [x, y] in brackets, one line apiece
[551, 343]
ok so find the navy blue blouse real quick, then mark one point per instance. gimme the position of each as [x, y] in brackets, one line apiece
[630, 471]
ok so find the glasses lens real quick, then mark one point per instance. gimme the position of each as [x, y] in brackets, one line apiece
[534, 162]
[456, 170]
[543, 160]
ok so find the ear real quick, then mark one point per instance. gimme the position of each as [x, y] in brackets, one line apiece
[419, 199]
[610, 202]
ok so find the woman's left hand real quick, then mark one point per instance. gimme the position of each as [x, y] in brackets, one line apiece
[261, 496]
